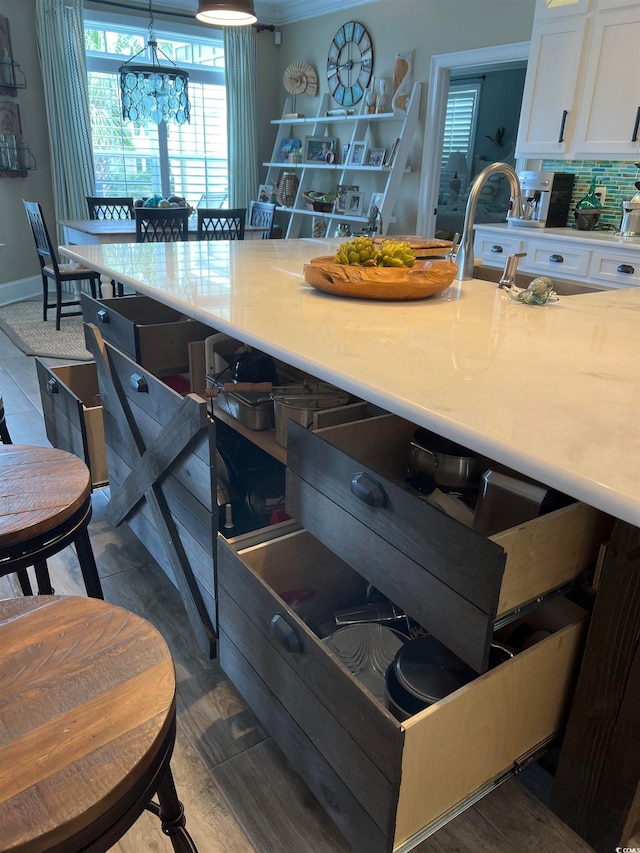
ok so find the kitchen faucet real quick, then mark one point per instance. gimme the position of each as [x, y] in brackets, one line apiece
[464, 255]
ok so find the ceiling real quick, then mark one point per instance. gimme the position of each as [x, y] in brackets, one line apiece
[274, 11]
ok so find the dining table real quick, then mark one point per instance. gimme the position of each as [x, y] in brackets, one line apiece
[83, 232]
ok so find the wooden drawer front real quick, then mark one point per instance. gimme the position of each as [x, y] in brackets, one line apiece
[616, 270]
[553, 259]
[341, 739]
[154, 335]
[73, 414]
[494, 250]
[145, 441]
[450, 579]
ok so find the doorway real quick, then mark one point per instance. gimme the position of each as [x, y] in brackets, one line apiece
[443, 66]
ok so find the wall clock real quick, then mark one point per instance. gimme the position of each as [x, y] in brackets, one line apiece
[350, 63]
[300, 77]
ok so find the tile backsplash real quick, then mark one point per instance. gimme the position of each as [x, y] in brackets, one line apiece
[618, 176]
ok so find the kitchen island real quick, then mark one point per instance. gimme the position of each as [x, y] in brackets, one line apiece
[552, 392]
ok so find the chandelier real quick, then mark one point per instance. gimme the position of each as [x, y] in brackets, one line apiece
[154, 93]
[237, 14]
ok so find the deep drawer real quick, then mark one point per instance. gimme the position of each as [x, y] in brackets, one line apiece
[453, 581]
[154, 335]
[494, 250]
[551, 259]
[383, 782]
[616, 270]
[73, 414]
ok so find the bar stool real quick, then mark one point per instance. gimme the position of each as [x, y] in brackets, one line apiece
[5, 438]
[45, 505]
[88, 726]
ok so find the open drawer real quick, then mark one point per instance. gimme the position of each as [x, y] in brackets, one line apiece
[451, 580]
[386, 784]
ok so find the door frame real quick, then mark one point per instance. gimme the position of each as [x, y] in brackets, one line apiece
[438, 92]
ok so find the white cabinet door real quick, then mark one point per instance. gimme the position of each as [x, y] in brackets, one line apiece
[609, 112]
[556, 8]
[550, 92]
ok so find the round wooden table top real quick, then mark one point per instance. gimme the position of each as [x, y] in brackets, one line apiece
[40, 487]
[87, 702]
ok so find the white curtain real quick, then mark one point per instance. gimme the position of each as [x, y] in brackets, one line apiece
[60, 37]
[240, 65]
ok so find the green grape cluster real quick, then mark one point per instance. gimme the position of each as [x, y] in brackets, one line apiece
[363, 252]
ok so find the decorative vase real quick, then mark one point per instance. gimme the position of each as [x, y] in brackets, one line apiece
[588, 209]
[370, 96]
[381, 100]
[287, 189]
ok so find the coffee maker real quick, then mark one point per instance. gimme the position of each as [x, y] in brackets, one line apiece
[546, 199]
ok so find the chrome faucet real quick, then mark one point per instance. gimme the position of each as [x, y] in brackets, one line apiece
[464, 256]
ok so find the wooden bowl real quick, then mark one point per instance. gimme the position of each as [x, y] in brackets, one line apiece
[424, 279]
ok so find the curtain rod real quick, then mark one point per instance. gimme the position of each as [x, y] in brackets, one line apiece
[142, 10]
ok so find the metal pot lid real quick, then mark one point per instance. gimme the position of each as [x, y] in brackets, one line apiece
[429, 671]
[316, 402]
[437, 444]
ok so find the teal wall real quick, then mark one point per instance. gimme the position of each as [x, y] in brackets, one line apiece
[617, 176]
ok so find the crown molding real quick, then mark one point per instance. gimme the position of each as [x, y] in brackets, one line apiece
[277, 12]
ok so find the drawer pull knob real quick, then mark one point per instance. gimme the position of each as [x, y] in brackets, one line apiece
[498, 250]
[368, 491]
[139, 383]
[627, 269]
[556, 259]
[285, 634]
[53, 387]
[103, 316]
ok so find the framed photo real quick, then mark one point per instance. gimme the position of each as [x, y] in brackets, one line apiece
[345, 152]
[341, 193]
[354, 203]
[319, 149]
[288, 146]
[375, 156]
[358, 154]
[267, 192]
[376, 201]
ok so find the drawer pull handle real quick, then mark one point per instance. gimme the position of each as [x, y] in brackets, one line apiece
[498, 250]
[139, 383]
[636, 126]
[103, 316]
[556, 259]
[285, 634]
[368, 491]
[627, 269]
[53, 386]
[565, 113]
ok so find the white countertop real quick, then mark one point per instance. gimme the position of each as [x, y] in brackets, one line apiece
[552, 391]
[599, 239]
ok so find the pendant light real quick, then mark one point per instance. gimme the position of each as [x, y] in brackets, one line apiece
[237, 14]
[154, 93]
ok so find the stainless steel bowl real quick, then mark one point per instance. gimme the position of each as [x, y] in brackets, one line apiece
[448, 464]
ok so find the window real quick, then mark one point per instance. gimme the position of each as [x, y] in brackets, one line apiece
[189, 160]
[459, 132]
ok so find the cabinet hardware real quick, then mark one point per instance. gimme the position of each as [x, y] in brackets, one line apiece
[556, 259]
[52, 385]
[103, 316]
[565, 113]
[627, 269]
[139, 383]
[636, 126]
[368, 491]
[497, 249]
[285, 634]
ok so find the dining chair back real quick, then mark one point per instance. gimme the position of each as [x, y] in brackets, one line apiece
[221, 224]
[162, 224]
[261, 215]
[110, 207]
[50, 269]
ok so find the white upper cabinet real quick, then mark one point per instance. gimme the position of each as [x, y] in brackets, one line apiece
[609, 111]
[557, 8]
[550, 92]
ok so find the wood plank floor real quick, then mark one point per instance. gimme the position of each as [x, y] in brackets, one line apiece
[239, 794]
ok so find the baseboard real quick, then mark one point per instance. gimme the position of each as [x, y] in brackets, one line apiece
[18, 291]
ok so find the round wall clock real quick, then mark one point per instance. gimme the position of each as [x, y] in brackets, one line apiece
[300, 77]
[350, 63]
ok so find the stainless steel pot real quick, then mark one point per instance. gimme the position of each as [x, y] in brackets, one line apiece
[448, 464]
[630, 223]
[299, 403]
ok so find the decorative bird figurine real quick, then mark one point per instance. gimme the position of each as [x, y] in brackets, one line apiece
[499, 136]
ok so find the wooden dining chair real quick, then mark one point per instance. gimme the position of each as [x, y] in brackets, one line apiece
[261, 215]
[221, 223]
[162, 224]
[50, 269]
[110, 207]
